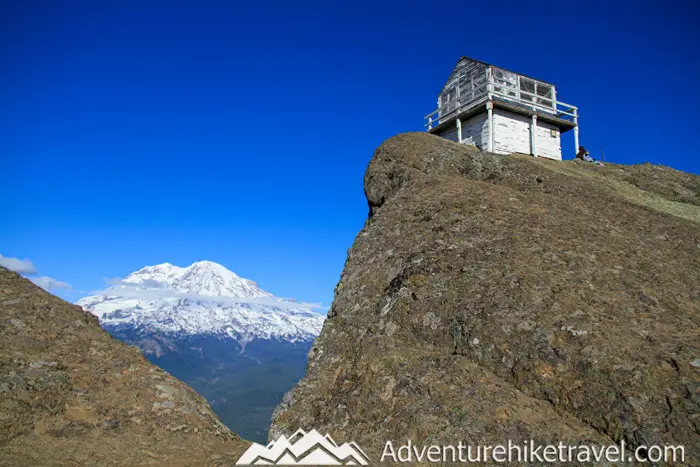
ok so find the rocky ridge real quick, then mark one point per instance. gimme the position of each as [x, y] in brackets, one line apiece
[490, 298]
[70, 394]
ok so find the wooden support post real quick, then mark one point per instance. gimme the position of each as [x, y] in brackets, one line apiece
[576, 143]
[533, 135]
[459, 130]
[489, 108]
[439, 112]
[489, 113]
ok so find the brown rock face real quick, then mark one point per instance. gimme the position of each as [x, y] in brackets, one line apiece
[490, 298]
[70, 394]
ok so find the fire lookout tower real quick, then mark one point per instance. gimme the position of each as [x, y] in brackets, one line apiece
[501, 111]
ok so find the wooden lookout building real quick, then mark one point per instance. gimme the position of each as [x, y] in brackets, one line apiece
[501, 111]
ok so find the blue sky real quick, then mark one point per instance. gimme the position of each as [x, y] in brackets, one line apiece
[134, 133]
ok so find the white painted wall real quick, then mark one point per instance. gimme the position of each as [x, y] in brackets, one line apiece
[451, 134]
[547, 145]
[511, 132]
[475, 131]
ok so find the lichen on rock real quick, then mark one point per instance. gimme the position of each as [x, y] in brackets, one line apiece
[494, 297]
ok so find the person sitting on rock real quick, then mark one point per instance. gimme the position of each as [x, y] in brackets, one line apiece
[585, 156]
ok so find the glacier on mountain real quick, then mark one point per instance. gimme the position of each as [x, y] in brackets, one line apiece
[204, 298]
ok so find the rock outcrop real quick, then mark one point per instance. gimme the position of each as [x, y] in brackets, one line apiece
[490, 298]
[70, 394]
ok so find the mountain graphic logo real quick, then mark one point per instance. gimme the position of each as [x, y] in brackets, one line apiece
[304, 448]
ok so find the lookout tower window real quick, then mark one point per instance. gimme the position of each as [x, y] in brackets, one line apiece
[545, 91]
[448, 101]
[466, 89]
[535, 91]
[506, 82]
[528, 86]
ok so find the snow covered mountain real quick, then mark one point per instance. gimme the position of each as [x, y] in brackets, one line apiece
[203, 277]
[237, 345]
[202, 299]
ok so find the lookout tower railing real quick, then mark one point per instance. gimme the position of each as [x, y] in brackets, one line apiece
[471, 94]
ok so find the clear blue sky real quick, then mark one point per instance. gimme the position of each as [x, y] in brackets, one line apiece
[139, 132]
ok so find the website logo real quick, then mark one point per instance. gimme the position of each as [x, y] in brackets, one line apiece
[304, 448]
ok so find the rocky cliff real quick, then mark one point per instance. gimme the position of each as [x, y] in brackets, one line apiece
[70, 394]
[490, 298]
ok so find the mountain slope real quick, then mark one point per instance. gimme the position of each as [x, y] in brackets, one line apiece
[511, 298]
[237, 345]
[72, 395]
